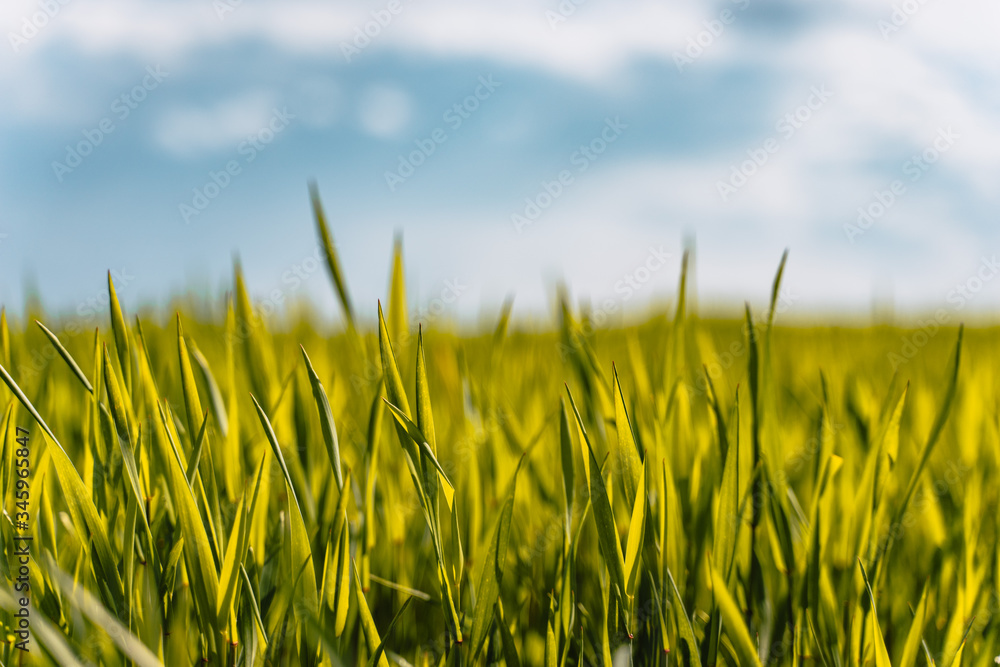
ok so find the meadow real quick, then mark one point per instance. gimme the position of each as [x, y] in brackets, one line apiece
[206, 488]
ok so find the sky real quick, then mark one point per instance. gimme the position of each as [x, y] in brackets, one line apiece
[513, 146]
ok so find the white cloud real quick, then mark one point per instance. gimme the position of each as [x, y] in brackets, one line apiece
[189, 131]
[384, 110]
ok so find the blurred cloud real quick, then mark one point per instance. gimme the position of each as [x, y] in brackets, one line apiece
[384, 110]
[193, 130]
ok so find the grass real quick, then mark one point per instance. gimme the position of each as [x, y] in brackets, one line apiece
[682, 491]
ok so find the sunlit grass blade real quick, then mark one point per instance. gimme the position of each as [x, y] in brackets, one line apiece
[636, 536]
[607, 532]
[302, 556]
[510, 656]
[218, 404]
[881, 654]
[399, 326]
[491, 573]
[121, 334]
[733, 623]
[418, 437]
[627, 451]
[330, 253]
[67, 357]
[326, 422]
[236, 547]
[911, 648]
[380, 650]
[688, 646]
[372, 638]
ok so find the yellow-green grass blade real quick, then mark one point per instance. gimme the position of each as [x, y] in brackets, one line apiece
[380, 650]
[198, 554]
[881, 654]
[568, 471]
[326, 422]
[425, 416]
[116, 401]
[628, 451]
[776, 288]
[727, 521]
[911, 647]
[4, 339]
[251, 331]
[733, 623]
[199, 446]
[217, 403]
[330, 253]
[491, 573]
[607, 532]
[416, 434]
[688, 645]
[302, 557]
[121, 334]
[237, 546]
[368, 627]
[636, 536]
[510, 656]
[340, 594]
[189, 389]
[67, 357]
[399, 325]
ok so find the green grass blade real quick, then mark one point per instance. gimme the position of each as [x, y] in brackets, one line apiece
[488, 591]
[380, 650]
[732, 621]
[121, 334]
[302, 556]
[689, 656]
[326, 422]
[607, 532]
[368, 627]
[67, 357]
[330, 252]
[399, 325]
[627, 450]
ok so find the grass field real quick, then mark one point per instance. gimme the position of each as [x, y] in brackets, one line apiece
[688, 491]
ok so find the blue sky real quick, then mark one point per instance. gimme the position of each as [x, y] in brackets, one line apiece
[750, 126]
